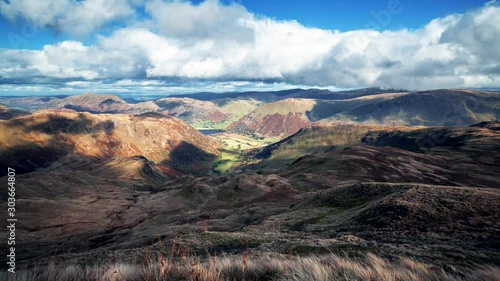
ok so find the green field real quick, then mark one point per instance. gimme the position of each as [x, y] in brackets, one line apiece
[211, 125]
[235, 147]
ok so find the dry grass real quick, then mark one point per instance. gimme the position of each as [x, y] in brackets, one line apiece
[157, 267]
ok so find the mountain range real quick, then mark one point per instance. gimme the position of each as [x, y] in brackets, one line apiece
[282, 113]
[306, 172]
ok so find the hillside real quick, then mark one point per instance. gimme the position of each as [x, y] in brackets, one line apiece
[207, 114]
[434, 222]
[282, 113]
[151, 180]
[417, 192]
[216, 114]
[464, 156]
[35, 141]
[267, 211]
[427, 108]
[29, 104]
[277, 119]
[8, 113]
[93, 101]
[100, 103]
[273, 96]
[285, 117]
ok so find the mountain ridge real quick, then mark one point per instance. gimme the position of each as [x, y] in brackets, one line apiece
[46, 136]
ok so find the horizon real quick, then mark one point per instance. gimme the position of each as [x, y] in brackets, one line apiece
[162, 47]
[152, 96]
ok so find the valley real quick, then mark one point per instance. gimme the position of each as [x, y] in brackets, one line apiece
[214, 140]
[298, 173]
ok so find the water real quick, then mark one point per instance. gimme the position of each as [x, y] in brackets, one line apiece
[210, 132]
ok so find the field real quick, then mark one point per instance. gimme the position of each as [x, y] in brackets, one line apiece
[211, 125]
[235, 145]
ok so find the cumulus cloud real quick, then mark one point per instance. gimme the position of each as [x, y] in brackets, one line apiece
[478, 33]
[67, 16]
[209, 19]
[225, 43]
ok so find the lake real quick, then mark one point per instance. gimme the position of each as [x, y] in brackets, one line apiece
[208, 132]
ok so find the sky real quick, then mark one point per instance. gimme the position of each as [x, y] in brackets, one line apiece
[175, 46]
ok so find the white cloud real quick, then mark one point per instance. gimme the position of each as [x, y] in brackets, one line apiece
[209, 19]
[67, 16]
[478, 33]
[213, 42]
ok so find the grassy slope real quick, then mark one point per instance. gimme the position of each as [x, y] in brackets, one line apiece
[324, 214]
[245, 267]
[8, 113]
[216, 114]
[430, 108]
[426, 108]
[52, 134]
[285, 106]
[275, 119]
[235, 109]
[323, 137]
[235, 145]
[311, 214]
[317, 139]
[447, 156]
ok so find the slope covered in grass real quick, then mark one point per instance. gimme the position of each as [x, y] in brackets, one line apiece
[264, 268]
[31, 142]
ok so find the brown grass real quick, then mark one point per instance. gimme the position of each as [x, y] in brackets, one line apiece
[157, 267]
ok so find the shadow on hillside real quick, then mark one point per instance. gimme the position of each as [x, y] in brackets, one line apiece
[450, 156]
[7, 113]
[326, 109]
[437, 109]
[30, 157]
[83, 109]
[190, 159]
[59, 124]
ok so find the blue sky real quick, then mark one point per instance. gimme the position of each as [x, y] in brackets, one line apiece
[341, 15]
[134, 46]
[356, 14]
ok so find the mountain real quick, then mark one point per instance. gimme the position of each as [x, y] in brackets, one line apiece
[464, 156]
[100, 103]
[207, 114]
[429, 108]
[28, 104]
[329, 188]
[215, 114]
[130, 207]
[105, 103]
[93, 103]
[425, 108]
[8, 113]
[272, 96]
[276, 114]
[37, 140]
[349, 177]
[275, 119]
